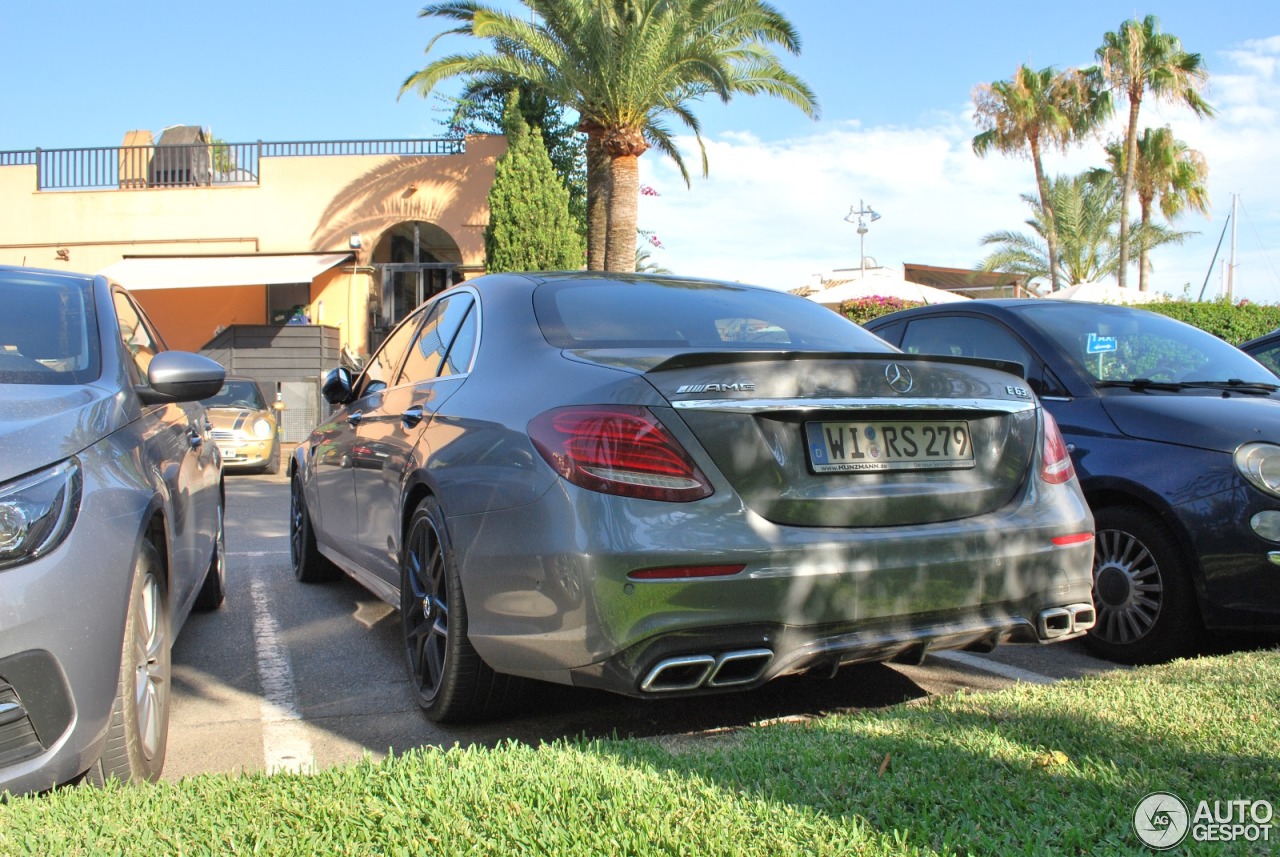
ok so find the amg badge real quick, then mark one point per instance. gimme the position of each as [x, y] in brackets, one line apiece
[735, 387]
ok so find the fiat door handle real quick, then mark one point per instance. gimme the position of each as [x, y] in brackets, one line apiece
[355, 418]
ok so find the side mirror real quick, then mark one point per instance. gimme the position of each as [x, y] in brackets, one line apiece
[337, 386]
[180, 376]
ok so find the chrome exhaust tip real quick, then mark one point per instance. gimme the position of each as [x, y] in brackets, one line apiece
[1054, 622]
[737, 668]
[1083, 617]
[682, 673]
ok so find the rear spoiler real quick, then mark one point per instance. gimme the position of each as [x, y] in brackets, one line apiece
[694, 359]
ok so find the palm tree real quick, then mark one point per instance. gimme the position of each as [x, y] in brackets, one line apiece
[1086, 210]
[1033, 111]
[626, 67]
[1168, 172]
[1136, 59]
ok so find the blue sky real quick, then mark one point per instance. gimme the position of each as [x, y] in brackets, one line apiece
[894, 82]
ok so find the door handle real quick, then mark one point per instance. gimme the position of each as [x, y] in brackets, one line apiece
[355, 418]
[412, 417]
[194, 437]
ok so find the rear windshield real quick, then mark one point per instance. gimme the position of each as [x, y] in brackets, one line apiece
[48, 329]
[236, 393]
[690, 314]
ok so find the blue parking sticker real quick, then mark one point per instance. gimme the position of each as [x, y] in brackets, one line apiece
[1101, 344]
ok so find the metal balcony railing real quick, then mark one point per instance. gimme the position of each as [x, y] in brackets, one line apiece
[195, 165]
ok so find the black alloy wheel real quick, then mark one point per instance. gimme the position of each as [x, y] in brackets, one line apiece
[449, 678]
[309, 565]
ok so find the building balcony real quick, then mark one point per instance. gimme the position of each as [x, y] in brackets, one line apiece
[201, 163]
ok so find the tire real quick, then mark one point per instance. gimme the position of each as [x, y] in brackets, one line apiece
[1142, 591]
[214, 589]
[449, 679]
[273, 466]
[309, 565]
[138, 730]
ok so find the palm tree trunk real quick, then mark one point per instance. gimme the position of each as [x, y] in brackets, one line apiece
[624, 203]
[598, 181]
[1144, 208]
[1126, 186]
[1050, 219]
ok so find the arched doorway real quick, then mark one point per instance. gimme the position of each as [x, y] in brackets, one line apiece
[414, 261]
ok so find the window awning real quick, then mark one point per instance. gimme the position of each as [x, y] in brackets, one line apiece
[197, 272]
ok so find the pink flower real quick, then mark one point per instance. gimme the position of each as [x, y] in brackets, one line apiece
[645, 190]
[653, 239]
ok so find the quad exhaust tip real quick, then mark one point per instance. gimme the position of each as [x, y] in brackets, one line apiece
[690, 672]
[1060, 621]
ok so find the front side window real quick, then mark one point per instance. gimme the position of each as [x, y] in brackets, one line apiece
[138, 340]
[382, 366]
[964, 336]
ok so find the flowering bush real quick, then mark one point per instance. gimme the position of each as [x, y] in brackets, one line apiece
[862, 310]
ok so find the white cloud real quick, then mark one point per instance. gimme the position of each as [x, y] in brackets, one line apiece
[773, 212]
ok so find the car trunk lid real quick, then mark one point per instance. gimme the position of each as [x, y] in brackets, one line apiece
[841, 440]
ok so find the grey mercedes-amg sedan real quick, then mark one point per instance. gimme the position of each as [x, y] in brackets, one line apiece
[110, 527]
[663, 486]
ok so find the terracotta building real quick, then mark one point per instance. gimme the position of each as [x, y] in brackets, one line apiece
[274, 254]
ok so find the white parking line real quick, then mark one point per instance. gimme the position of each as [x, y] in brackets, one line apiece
[993, 667]
[285, 746]
[256, 553]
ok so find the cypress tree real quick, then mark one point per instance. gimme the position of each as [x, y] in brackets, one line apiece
[530, 228]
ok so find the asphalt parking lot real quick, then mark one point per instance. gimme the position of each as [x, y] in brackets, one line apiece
[294, 676]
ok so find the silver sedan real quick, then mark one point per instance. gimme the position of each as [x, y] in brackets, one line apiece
[110, 528]
[661, 486]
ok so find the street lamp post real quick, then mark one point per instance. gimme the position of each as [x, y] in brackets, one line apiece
[862, 211]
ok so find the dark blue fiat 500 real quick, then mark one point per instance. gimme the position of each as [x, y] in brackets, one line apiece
[1175, 436]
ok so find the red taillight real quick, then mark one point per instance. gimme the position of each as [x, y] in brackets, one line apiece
[1055, 465]
[617, 449]
[678, 572]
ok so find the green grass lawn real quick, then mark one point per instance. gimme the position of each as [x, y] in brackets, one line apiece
[1031, 770]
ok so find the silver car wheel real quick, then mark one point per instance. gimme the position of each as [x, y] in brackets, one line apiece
[151, 669]
[1127, 586]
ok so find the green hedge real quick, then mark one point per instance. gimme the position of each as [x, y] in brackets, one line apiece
[1235, 323]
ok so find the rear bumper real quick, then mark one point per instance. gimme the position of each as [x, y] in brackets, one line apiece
[742, 658]
[548, 594]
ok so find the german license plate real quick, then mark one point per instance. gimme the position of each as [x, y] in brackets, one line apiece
[838, 447]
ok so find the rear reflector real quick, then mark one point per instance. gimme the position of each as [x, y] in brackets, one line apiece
[1073, 539]
[676, 572]
[616, 449]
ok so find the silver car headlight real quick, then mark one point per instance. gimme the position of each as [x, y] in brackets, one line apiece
[262, 429]
[1260, 464]
[37, 511]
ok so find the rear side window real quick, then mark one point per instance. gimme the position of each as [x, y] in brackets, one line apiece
[427, 357]
[690, 314]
